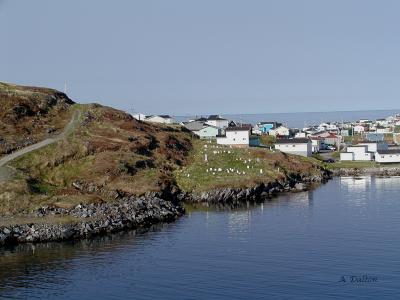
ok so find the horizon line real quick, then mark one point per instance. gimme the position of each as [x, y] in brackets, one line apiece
[297, 112]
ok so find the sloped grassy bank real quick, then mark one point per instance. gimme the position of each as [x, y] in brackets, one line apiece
[112, 172]
[224, 176]
[194, 183]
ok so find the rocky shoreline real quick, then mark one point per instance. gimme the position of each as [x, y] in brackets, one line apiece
[131, 213]
[94, 219]
[377, 171]
[235, 197]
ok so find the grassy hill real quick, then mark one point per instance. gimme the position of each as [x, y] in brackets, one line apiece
[29, 114]
[213, 166]
[108, 155]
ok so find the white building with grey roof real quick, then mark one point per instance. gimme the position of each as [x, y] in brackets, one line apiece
[388, 156]
[297, 146]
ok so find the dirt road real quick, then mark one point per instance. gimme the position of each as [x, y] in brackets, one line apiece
[6, 172]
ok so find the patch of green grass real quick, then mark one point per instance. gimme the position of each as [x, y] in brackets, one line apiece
[40, 187]
[317, 156]
[223, 165]
[63, 174]
[267, 140]
[352, 165]
[235, 167]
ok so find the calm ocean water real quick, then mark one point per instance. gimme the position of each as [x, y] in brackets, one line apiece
[300, 120]
[298, 246]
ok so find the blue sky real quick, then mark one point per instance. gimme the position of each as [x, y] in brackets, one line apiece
[209, 56]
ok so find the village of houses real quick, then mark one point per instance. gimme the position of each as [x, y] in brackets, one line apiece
[361, 140]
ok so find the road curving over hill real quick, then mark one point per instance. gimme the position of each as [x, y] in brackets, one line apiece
[6, 172]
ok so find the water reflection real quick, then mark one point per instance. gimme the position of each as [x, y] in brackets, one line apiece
[294, 246]
[27, 266]
[387, 183]
[355, 184]
[358, 190]
[239, 224]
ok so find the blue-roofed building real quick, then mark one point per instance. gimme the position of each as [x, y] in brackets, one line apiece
[265, 127]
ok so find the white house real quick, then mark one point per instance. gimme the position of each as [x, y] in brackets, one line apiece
[207, 132]
[298, 146]
[256, 130]
[381, 129]
[300, 134]
[356, 153]
[316, 144]
[382, 122]
[346, 156]
[217, 121]
[164, 119]
[235, 136]
[327, 127]
[280, 131]
[139, 116]
[374, 146]
[388, 156]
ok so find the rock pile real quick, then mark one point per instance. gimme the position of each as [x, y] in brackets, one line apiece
[93, 219]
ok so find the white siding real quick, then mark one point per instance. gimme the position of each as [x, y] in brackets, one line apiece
[387, 158]
[207, 132]
[282, 131]
[374, 147]
[304, 149]
[240, 137]
[360, 152]
[345, 156]
[218, 123]
[140, 117]
[316, 146]
[157, 119]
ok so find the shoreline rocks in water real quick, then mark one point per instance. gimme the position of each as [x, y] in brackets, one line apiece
[378, 171]
[130, 212]
[127, 213]
[234, 197]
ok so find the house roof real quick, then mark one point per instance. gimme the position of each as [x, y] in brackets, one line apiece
[392, 151]
[293, 141]
[209, 126]
[357, 146]
[283, 127]
[194, 126]
[272, 123]
[202, 119]
[238, 128]
[216, 118]
[232, 123]
[160, 116]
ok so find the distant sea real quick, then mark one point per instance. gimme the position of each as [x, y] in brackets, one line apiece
[302, 119]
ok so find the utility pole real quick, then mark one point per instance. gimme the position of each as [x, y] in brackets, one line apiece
[65, 87]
